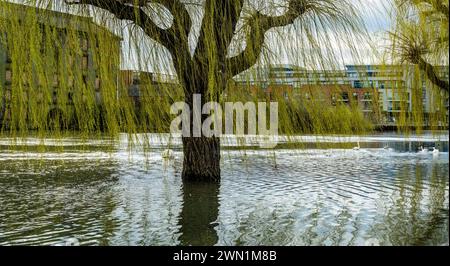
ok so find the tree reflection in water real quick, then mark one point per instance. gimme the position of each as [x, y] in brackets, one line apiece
[199, 214]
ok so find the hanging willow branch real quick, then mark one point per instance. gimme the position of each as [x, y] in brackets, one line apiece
[204, 43]
[421, 35]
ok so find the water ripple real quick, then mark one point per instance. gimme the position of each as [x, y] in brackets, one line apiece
[281, 197]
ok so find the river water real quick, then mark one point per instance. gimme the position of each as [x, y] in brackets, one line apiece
[88, 194]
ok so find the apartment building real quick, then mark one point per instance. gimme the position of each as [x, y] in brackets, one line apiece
[68, 69]
[383, 92]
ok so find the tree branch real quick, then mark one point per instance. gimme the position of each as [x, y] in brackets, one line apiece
[133, 13]
[258, 25]
[175, 7]
[437, 5]
[175, 38]
[218, 28]
[182, 19]
[431, 74]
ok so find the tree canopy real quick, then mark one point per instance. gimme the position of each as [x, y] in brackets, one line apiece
[204, 43]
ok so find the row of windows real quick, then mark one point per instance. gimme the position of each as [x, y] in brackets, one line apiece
[54, 97]
[345, 96]
[84, 67]
[358, 84]
[55, 81]
[375, 74]
[333, 75]
[71, 61]
[306, 75]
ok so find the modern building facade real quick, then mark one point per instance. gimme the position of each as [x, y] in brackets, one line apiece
[383, 92]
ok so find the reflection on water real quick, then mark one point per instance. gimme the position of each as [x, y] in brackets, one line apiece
[199, 214]
[335, 196]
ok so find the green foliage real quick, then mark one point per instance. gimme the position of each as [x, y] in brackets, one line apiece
[65, 68]
[420, 42]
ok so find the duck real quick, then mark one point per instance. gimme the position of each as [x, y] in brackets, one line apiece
[167, 154]
[357, 147]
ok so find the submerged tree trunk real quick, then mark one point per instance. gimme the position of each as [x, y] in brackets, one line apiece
[201, 154]
[201, 159]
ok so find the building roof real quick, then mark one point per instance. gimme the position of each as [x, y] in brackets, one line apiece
[50, 17]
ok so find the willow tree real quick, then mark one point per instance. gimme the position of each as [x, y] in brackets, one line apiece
[209, 42]
[419, 42]
[421, 36]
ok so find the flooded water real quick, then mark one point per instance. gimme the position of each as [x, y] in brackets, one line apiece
[386, 193]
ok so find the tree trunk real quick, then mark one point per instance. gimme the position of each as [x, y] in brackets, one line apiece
[201, 159]
[201, 154]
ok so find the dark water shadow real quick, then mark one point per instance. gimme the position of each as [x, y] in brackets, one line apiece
[199, 214]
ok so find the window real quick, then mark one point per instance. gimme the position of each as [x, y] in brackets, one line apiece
[54, 97]
[55, 80]
[358, 84]
[367, 106]
[70, 82]
[344, 96]
[97, 83]
[8, 58]
[85, 62]
[353, 75]
[84, 43]
[8, 76]
[289, 75]
[70, 97]
[367, 96]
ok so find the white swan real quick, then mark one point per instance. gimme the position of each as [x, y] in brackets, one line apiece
[435, 151]
[357, 147]
[422, 149]
[72, 242]
[387, 148]
[167, 154]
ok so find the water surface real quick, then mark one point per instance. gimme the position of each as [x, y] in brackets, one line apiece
[89, 195]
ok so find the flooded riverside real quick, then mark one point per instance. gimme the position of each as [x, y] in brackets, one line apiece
[97, 193]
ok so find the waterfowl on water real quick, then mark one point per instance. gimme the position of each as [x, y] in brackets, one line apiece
[435, 151]
[167, 154]
[422, 149]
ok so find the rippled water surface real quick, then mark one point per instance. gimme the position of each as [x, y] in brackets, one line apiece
[313, 196]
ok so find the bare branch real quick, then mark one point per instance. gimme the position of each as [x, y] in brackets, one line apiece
[131, 10]
[258, 25]
[175, 7]
[182, 19]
